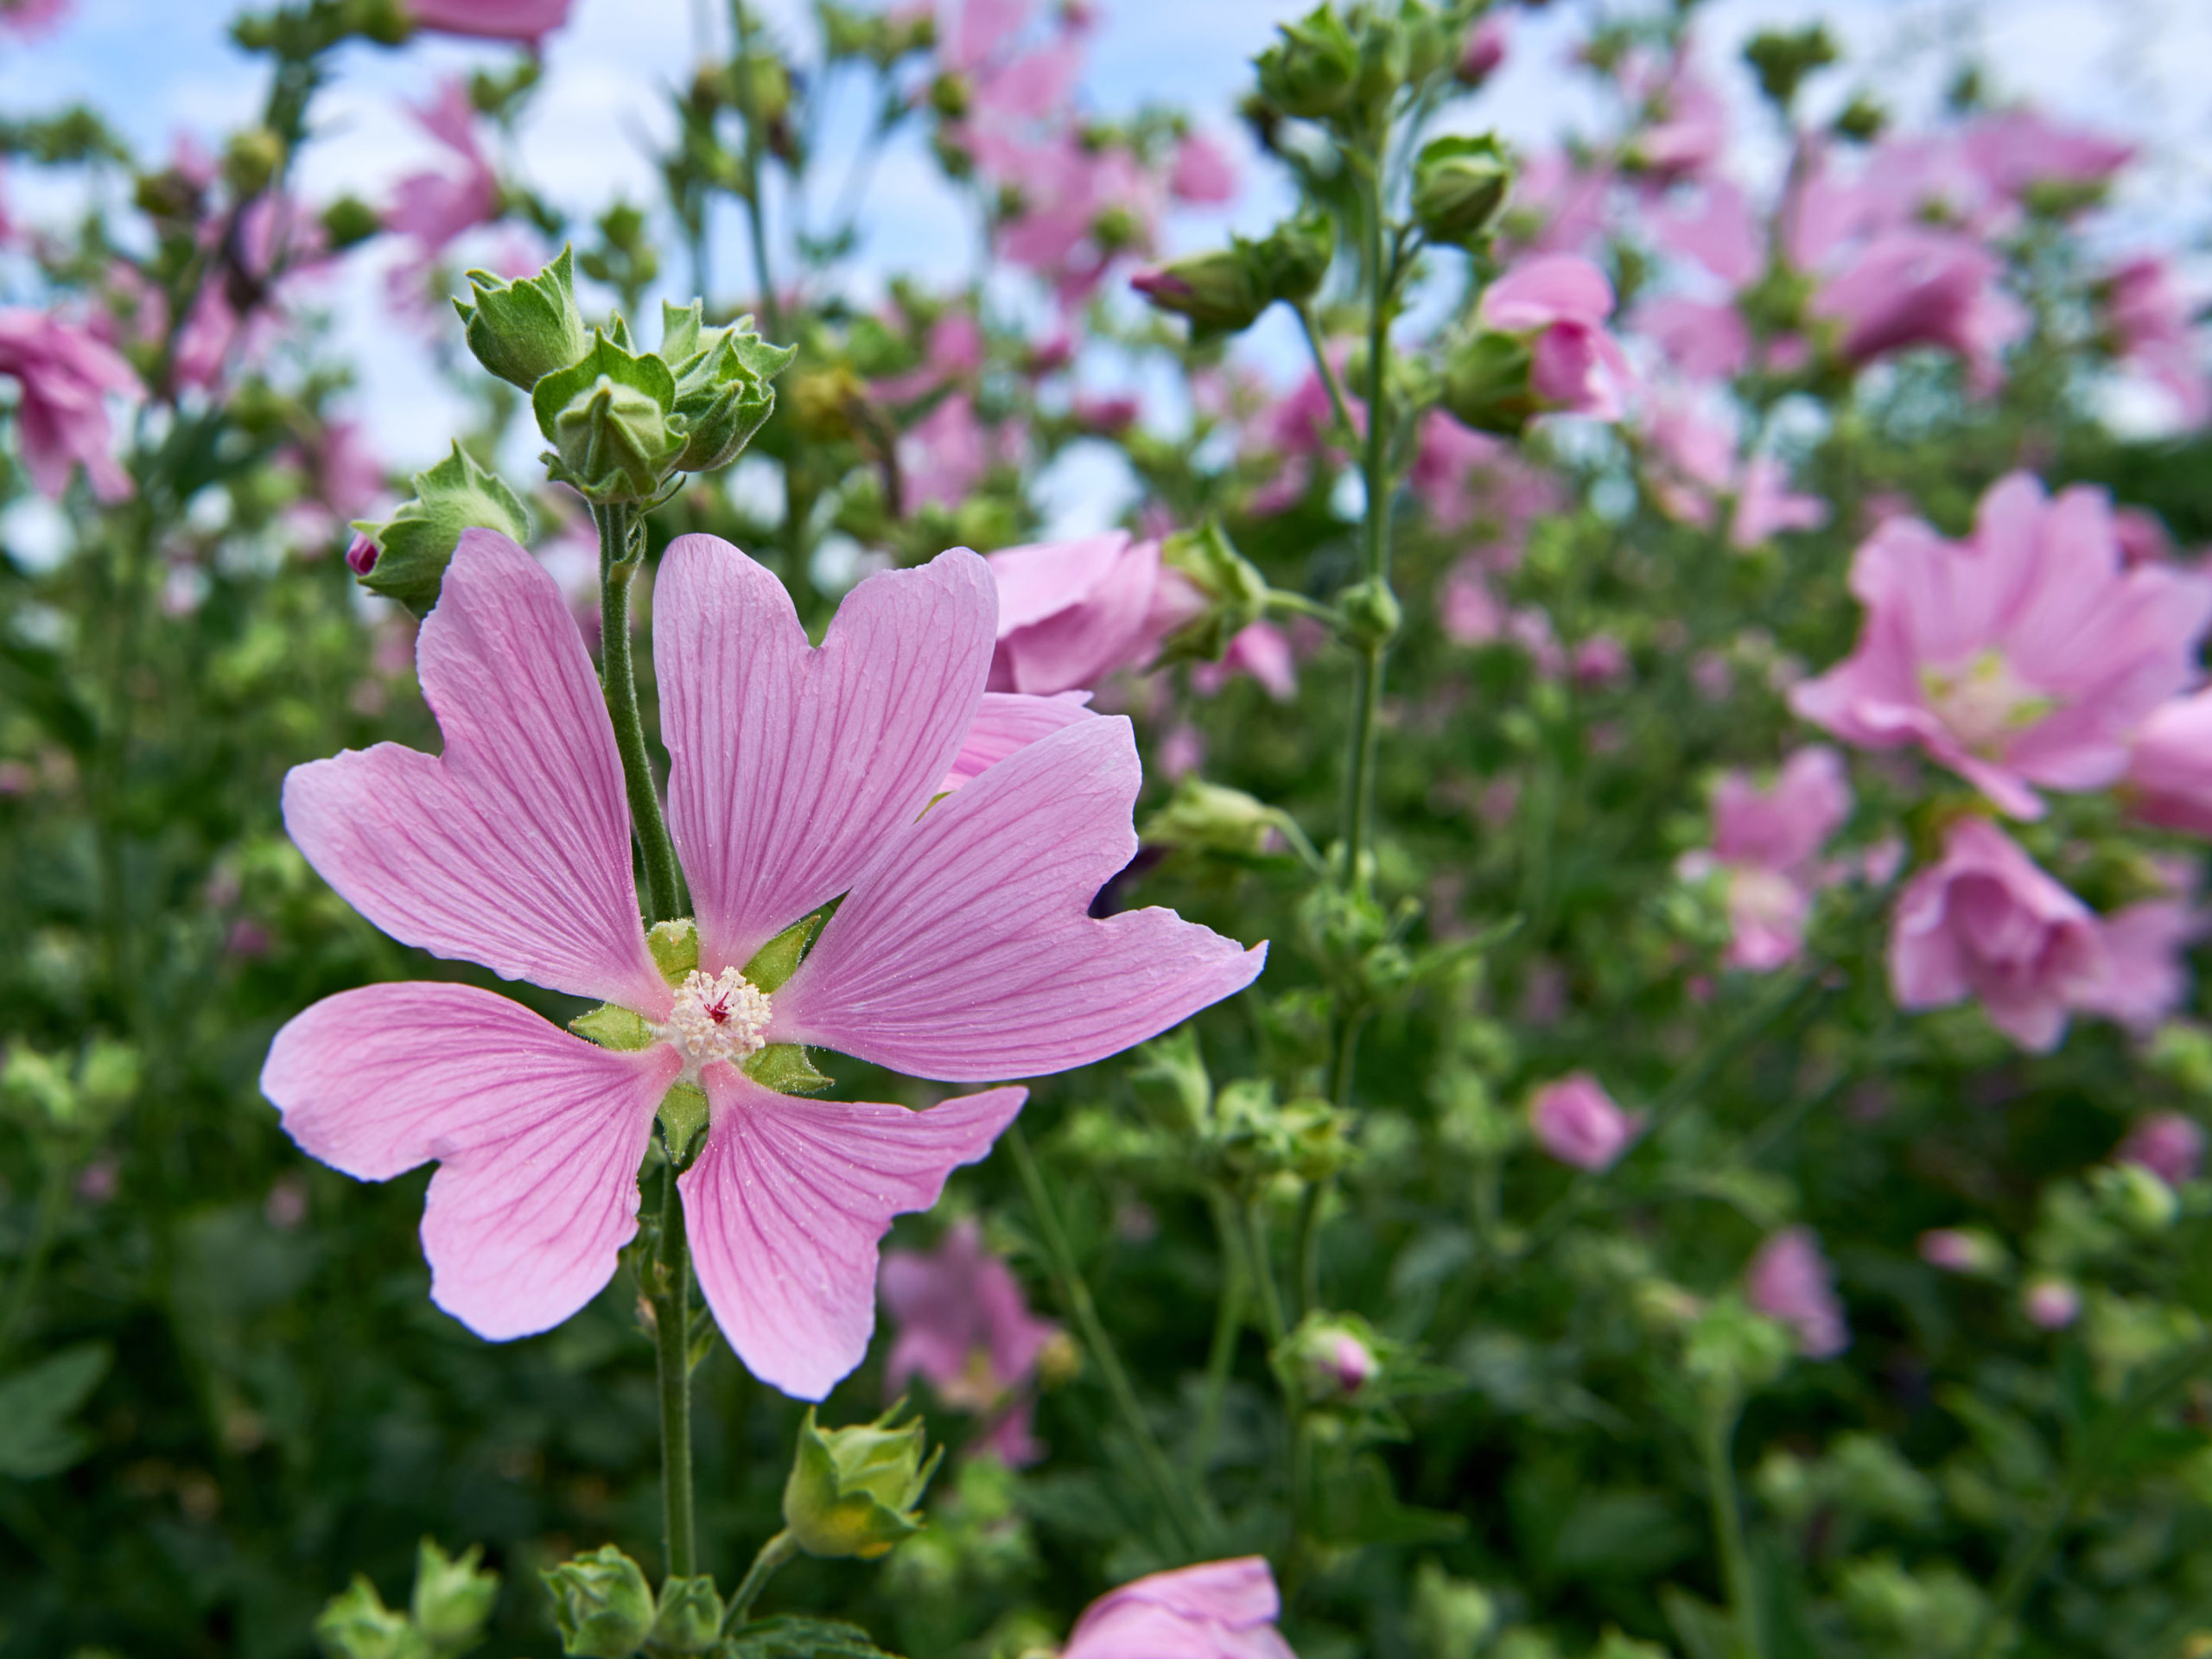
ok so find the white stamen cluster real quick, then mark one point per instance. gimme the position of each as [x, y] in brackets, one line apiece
[718, 1018]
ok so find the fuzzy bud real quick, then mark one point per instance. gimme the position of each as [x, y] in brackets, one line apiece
[1486, 385]
[1219, 291]
[602, 1605]
[521, 331]
[690, 1619]
[356, 1625]
[723, 392]
[1335, 1360]
[856, 1491]
[453, 1597]
[610, 417]
[1313, 70]
[405, 557]
[1460, 184]
[1372, 615]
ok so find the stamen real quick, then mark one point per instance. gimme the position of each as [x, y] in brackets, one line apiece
[721, 1017]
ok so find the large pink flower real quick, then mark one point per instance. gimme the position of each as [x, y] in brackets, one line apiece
[963, 950]
[2025, 656]
[1072, 612]
[963, 1324]
[526, 21]
[2153, 325]
[1562, 301]
[1217, 1609]
[61, 421]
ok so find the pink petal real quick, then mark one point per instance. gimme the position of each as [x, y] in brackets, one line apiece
[538, 1135]
[1552, 288]
[512, 847]
[788, 1201]
[789, 767]
[1008, 720]
[969, 954]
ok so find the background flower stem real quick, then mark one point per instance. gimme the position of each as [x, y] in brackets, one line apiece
[618, 564]
[672, 1304]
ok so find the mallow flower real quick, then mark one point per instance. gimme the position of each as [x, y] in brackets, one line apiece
[1767, 843]
[61, 419]
[1576, 1122]
[2027, 655]
[1790, 1281]
[962, 949]
[1216, 1610]
[1072, 612]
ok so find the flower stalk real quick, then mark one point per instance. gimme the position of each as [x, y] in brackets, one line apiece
[620, 552]
[671, 1306]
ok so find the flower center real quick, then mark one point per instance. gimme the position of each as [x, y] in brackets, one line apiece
[1983, 702]
[720, 1017]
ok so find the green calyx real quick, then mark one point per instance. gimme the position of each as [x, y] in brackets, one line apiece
[1460, 184]
[722, 390]
[690, 1618]
[601, 1603]
[856, 1491]
[610, 417]
[675, 948]
[1224, 291]
[523, 331]
[417, 543]
[1486, 385]
[1314, 69]
[1236, 592]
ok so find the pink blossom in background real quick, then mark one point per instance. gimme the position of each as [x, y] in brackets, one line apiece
[1706, 340]
[1182, 751]
[1950, 1249]
[1467, 610]
[963, 1324]
[2026, 656]
[2168, 780]
[2016, 150]
[436, 206]
[527, 21]
[1767, 844]
[343, 478]
[945, 455]
[2146, 976]
[1217, 1609]
[1563, 300]
[1601, 660]
[1790, 1281]
[2170, 1145]
[2141, 536]
[99, 1180]
[1202, 171]
[1920, 287]
[2153, 325]
[61, 421]
[952, 354]
[29, 18]
[2051, 1304]
[963, 948]
[1260, 649]
[1691, 130]
[1558, 203]
[1697, 465]
[1072, 612]
[1720, 235]
[1985, 922]
[1488, 42]
[277, 241]
[1576, 1122]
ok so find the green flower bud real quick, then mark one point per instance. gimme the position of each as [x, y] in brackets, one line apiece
[1861, 120]
[405, 557]
[855, 1492]
[1235, 591]
[1781, 60]
[250, 159]
[721, 384]
[348, 222]
[690, 1617]
[1295, 257]
[601, 1603]
[1372, 615]
[523, 331]
[356, 1625]
[1313, 71]
[1334, 1358]
[1486, 385]
[2135, 1197]
[1460, 186]
[1219, 291]
[453, 1598]
[1450, 1618]
[1208, 818]
[1171, 1084]
[610, 417]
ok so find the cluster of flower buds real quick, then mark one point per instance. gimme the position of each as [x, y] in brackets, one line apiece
[445, 1617]
[606, 1610]
[1224, 291]
[1343, 72]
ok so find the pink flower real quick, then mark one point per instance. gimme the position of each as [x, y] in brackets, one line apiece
[1260, 649]
[1951, 1251]
[33, 17]
[2169, 768]
[1202, 172]
[1919, 287]
[2016, 150]
[525, 21]
[963, 1324]
[1690, 133]
[2146, 969]
[1789, 1280]
[434, 207]
[2051, 1304]
[1563, 301]
[1576, 1122]
[1768, 843]
[1484, 53]
[1720, 235]
[945, 455]
[962, 949]
[2168, 1144]
[1985, 922]
[2025, 656]
[1217, 1609]
[1072, 612]
[953, 353]
[2153, 325]
[61, 419]
[1707, 340]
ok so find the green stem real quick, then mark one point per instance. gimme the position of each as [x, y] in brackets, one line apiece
[672, 1304]
[1229, 1319]
[1359, 795]
[1327, 370]
[1263, 1275]
[773, 1553]
[1716, 1444]
[618, 564]
[52, 1194]
[1185, 1509]
[1305, 1256]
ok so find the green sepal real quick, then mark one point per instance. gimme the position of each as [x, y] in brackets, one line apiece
[682, 1117]
[521, 331]
[601, 1603]
[675, 947]
[417, 543]
[1486, 385]
[690, 1617]
[611, 418]
[612, 1026]
[857, 1491]
[1313, 69]
[1460, 183]
[356, 1625]
[1236, 592]
[721, 382]
[778, 960]
[785, 1067]
[453, 1596]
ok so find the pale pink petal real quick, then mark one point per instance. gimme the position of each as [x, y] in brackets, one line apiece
[512, 847]
[538, 1135]
[969, 953]
[791, 766]
[788, 1201]
[1008, 720]
[1552, 288]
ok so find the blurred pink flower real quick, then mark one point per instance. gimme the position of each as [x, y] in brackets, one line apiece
[2051, 1304]
[28, 18]
[946, 453]
[2025, 655]
[1697, 465]
[1469, 613]
[1690, 131]
[2170, 1145]
[2016, 150]
[962, 1323]
[953, 353]
[436, 206]
[2153, 325]
[1706, 340]
[1790, 1281]
[2168, 779]
[963, 946]
[1576, 1122]
[1563, 301]
[1182, 751]
[1923, 287]
[1260, 649]
[1488, 42]
[1720, 235]
[1985, 922]
[1951, 1250]
[1217, 1609]
[1767, 843]
[527, 21]
[1072, 612]
[1202, 171]
[61, 418]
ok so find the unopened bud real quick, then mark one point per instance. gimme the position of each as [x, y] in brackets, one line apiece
[857, 1491]
[405, 557]
[524, 330]
[250, 159]
[1313, 70]
[601, 1603]
[1372, 615]
[1217, 291]
[610, 417]
[348, 222]
[356, 1625]
[1210, 817]
[1460, 184]
[453, 1597]
[722, 393]
[690, 1619]
[1486, 385]
[1334, 1359]
[1966, 1250]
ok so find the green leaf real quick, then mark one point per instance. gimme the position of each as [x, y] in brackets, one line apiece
[611, 1026]
[778, 960]
[785, 1067]
[36, 1405]
[791, 1636]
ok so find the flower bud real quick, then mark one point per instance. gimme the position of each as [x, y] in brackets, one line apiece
[721, 384]
[610, 417]
[2135, 1197]
[348, 221]
[1219, 291]
[690, 1617]
[453, 1597]
[1313, 69]
[601, 1603]
[2051, 1304]
[1371, 613]
[521, 331]
[356, 1625]
[1459, 188]
[1208, 818]
[405, 557]
[1234, 592]
[1782, 59]
[250, 159]
[1295, 257]
[1966, 1250]
[856, 1491]
[1335, 1359]
[1170, 1083]
[1486, 385]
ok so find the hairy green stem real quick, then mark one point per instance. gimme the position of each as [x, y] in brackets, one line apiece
[618, 564]
[773, 1553]
[671, 1305]
[1716, 1447]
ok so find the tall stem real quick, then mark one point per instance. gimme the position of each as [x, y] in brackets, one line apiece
[1359, 793]
[773, 1553]
[672, 1304]
[1716, 1445]
[1228, 1321]
[618, 564]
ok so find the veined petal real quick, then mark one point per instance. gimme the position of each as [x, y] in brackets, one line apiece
[539, 1136]
[786, 1204]
[1012, 720]
[790, 767]
[969, 952]
[512, 847]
